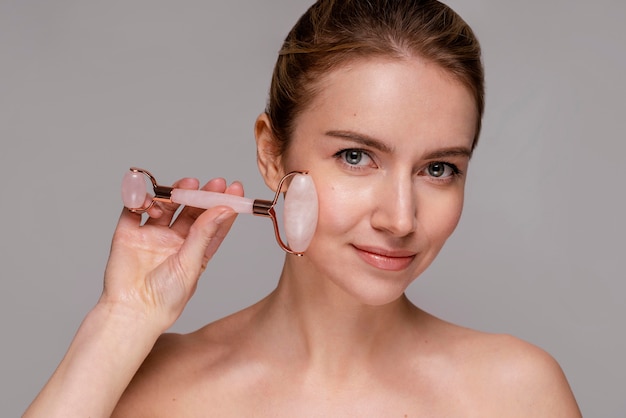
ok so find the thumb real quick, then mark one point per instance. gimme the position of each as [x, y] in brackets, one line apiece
[205, 236]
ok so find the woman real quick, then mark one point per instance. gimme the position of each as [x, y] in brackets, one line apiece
[381, 102]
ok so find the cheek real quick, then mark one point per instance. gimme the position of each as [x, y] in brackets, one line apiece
[340, 207]
[441, 216]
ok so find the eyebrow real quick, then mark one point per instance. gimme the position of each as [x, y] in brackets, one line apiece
[381, 146]
[361, 139]
[449, 152]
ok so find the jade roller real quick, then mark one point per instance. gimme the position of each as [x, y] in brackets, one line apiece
[299, 212]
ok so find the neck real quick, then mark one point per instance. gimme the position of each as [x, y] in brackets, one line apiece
[327, 328]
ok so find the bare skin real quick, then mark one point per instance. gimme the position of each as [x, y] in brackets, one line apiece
[239, 366]
[337, 337]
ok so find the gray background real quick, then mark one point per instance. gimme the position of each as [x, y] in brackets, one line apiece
[89, 88]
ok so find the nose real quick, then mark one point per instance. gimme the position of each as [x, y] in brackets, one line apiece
[395, 207]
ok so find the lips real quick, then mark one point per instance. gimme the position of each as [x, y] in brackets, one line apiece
[384, 259]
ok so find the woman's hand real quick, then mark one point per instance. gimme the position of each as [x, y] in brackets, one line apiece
[153, 269]
[152, 272]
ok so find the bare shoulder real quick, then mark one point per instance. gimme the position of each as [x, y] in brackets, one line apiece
[161, 379]
[180, 369]
[518, 377]
[493, 374]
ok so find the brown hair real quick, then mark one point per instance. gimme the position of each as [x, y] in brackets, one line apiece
[334, 32]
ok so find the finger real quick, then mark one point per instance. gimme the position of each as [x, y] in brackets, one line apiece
[236, 188]
[128, 219]
[155, 209]
[207, 233]
[161, 213]
[127, 224]
[205, 236]
[189, 214]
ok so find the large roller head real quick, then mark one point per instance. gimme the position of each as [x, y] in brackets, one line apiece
[300, 212]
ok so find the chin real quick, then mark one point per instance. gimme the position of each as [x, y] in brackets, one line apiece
[377, 293]
[380, 300]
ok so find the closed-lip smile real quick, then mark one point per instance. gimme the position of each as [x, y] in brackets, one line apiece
[384, 259]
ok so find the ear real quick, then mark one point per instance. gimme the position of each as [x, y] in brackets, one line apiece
[267, 156]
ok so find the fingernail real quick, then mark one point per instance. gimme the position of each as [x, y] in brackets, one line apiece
[223, 216]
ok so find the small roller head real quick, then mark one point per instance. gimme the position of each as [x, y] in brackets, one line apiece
[134, 190]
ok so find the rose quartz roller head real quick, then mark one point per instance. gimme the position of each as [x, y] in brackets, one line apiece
[300, 207]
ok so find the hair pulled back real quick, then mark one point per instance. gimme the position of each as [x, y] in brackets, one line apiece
[334, 32]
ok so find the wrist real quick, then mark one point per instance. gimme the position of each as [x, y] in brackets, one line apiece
[110, 345]
[126, 321]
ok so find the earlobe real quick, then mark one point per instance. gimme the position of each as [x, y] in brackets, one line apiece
[267, 156]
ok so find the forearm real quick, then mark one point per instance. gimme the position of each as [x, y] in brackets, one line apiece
[106, 352]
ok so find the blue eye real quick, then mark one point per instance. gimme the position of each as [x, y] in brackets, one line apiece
[439, 169]
[355, 158]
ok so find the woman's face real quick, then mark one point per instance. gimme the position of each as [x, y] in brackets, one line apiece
[387, 143]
